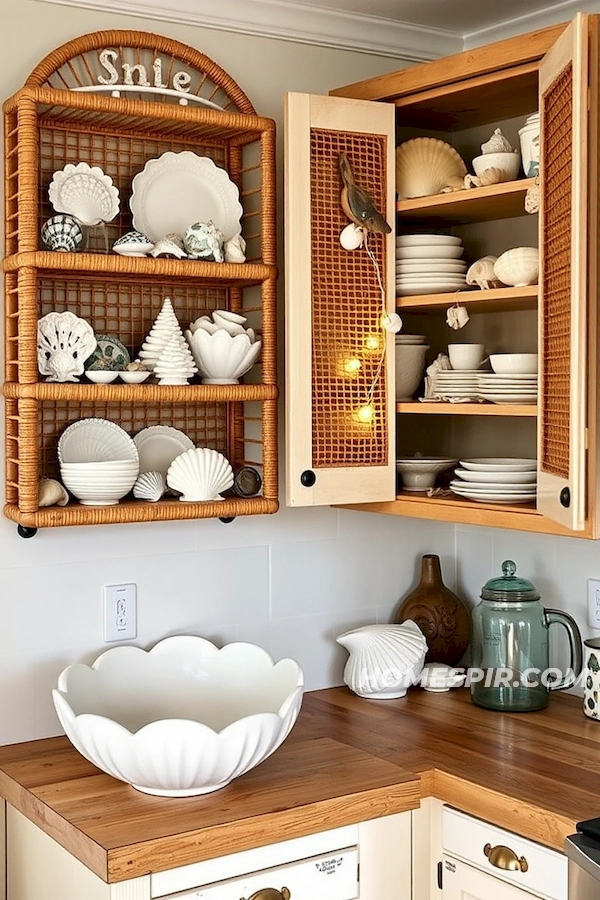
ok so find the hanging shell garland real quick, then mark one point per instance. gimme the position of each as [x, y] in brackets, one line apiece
[384, 659]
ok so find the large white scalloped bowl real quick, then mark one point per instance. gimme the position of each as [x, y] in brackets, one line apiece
[183, 718]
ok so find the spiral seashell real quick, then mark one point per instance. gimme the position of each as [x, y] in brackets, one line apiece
[62, 233]
[497, 144]
[384, 659]
[85, 192]
[149, 486]
[133, 243]
[200, 474]
[64, 342]
[425, 166]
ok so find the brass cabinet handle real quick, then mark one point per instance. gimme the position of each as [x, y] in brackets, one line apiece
[271, 894]
[504, 858]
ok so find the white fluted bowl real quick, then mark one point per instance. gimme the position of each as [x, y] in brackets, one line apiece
[221, 357]
[182, 719]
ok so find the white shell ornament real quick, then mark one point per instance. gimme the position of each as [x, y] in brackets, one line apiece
[203, 240]
[84, 192]
[234, 249]
[456, 317]
[169, 248]
[133, 243]
[150, 486]
[482, 274]
[200, 474]
[52, 493]
[64, 342]
[62, 233]
[352, 237]
[497, 144]
[385, 660]
[425, 166]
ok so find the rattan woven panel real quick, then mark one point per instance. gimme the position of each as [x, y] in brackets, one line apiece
[557, 161]
[346, 308]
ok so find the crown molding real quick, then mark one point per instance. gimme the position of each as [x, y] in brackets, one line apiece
[553, 14]
[293, 22]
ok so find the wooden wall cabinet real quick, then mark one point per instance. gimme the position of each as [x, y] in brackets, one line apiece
[65, 114]
[460, 99]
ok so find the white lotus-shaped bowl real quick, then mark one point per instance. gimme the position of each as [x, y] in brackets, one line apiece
[182, 719]
[222, 357]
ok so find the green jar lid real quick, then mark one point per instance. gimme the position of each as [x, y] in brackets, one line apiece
[508, 586]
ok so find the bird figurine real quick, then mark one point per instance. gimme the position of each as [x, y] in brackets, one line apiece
[357, 204]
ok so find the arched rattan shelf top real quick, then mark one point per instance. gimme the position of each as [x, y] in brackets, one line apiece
[62, 67]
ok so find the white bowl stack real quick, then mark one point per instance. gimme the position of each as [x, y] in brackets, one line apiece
[514, 379]
[429, 264]
[410, 364]
[99, 462]
[496, 480]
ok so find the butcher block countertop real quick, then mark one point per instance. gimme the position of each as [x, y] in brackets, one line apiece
[346, 760]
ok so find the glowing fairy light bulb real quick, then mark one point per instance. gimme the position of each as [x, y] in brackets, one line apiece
[372, 343]
[351, 366]
[364, 414]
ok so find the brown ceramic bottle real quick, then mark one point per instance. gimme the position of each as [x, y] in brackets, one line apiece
[441, 615]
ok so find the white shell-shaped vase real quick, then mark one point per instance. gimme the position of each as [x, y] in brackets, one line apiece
[385, 660]
[64, 342]
[200, 474]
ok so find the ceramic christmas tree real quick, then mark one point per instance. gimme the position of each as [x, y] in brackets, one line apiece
[175, 364]
[165, 325]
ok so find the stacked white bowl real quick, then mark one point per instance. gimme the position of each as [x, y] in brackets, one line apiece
[99, 462]
[410, 364]
[418, 473]
[514, 379]
[496, 480]
[429, 264]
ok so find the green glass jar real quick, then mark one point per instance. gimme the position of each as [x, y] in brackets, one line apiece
[510, 669]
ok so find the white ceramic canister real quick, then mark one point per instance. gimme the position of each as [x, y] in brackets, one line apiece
[529, 137]
[591, 678]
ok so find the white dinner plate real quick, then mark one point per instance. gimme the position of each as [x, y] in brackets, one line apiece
[178, 189]
[429, 251]
[442, 287]
[512, 399]
[505, 463]
[455, 266]
[458, 277]
[498, 476]
[410, 240]
[495, 487]
[494, 498]
[159, 445]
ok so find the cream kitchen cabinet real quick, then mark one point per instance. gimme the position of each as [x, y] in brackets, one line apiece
[366, 860]
[343, 425]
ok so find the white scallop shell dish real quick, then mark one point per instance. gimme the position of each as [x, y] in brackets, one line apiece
[200, 474]
[150, 486]
[85, 192]
[385, 660]
[425, 166]
[182, 719]
[64, 342]
[95, 440]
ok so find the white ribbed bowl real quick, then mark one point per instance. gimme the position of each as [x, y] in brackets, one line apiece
[182, 719]
[222, 358]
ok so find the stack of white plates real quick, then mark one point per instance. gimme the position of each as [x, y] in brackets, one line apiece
[429, 264]
[456, 384]
[518, 389]
[496, 480]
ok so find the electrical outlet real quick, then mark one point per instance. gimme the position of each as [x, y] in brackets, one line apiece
[120, 612]
[594, 603]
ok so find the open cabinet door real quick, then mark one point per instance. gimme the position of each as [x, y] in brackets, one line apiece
[340, 395]
[563, 307]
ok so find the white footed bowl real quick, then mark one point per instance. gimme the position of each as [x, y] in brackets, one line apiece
[182, 719]
[514, 363]
[222, 357]
[518, 267]
[509, 163]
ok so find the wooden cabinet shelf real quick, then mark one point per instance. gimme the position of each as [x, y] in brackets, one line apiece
[483, 204]
[466, 409]
[117, 392]
[497, 300]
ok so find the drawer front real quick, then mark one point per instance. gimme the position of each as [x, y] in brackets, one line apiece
[463, 882]
[332, 876]
[474, 841]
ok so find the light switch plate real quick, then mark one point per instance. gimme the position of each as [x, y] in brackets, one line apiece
[120, 612]
[594, 603]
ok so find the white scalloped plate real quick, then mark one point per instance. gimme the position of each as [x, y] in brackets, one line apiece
[178, 189]
[159, 445]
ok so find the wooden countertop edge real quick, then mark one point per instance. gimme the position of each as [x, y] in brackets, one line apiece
[135, 860]
[527, 819]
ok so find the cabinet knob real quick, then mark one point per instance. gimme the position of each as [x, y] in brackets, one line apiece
[308, 478]
[271, 894]
[565, 497]
[504, 858]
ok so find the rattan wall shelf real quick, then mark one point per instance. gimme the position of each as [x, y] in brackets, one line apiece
[66, 113]
[461, 99]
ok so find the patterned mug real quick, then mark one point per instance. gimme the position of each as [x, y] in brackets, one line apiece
[591, 678]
